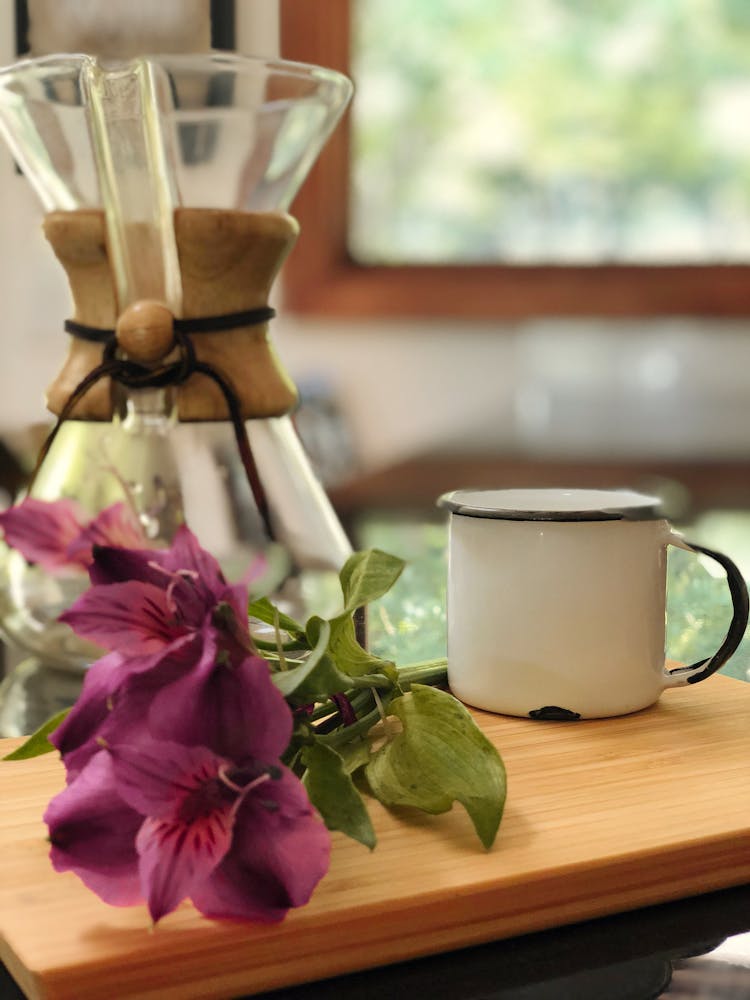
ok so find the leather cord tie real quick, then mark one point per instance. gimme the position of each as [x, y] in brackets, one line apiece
[198, 324]
[134, 375]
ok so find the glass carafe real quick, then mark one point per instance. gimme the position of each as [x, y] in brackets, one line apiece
[167, 179]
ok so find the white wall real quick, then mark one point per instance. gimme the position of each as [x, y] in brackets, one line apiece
[408, 387]
[669, 389]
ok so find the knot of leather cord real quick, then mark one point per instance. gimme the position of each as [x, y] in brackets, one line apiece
[135, 375]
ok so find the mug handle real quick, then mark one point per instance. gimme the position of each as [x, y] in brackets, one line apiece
[699, 671]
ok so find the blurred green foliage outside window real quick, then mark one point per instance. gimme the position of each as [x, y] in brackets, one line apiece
[551, 131]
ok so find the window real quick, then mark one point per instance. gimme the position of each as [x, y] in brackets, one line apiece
[505, 160]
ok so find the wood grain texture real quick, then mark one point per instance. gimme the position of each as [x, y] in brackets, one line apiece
[602, 816]
[228, 262]
[79, 242]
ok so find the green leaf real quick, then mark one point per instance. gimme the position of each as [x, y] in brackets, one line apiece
[264, 611]
[441, 756]
[37, 743]
[350, 657]
[333, 794]
[318, 677]
[321, 682]
[368, 575]
[313, 672]
[354, 755]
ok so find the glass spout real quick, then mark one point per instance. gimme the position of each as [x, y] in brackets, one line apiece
[136, 177]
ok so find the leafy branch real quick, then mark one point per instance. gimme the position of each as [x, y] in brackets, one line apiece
[363, 723]
[348, 701]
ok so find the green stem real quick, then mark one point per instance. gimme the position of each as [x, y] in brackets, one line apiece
[323, 710]
[361, 701]
[378, 681]
[273, 647]
[362, 726]
[427, 672]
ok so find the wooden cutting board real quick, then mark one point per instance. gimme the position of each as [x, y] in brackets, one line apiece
[602, 816]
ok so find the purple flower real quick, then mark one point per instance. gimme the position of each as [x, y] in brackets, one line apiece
[182, 664]
[59, 537]
[236, 711]
[172, 752]
[145, 600]
[165, 822]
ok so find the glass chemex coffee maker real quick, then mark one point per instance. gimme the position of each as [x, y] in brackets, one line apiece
[165, 181]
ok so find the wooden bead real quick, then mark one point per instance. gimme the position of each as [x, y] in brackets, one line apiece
[145, 331]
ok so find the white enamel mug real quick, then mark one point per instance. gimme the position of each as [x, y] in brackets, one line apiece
[556, 602]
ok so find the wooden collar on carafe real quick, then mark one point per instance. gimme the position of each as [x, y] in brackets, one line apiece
[228, 262]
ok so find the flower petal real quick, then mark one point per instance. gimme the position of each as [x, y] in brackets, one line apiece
[155, 776]
[115, 699]
[280, 851]
[117, 565]
[186, 553]
[133, 617]
[89, 712]
[93, 834]
[42, 531]
[237, 711]
[115, 525]
[176, 857]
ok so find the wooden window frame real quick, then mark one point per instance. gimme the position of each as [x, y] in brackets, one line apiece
[321, 277]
